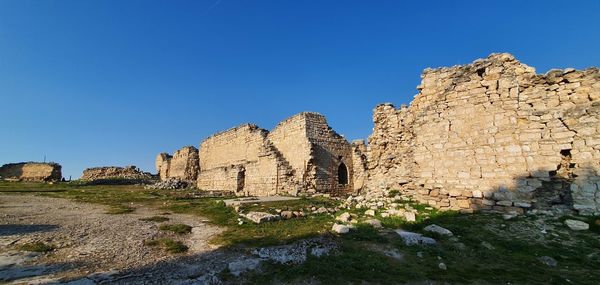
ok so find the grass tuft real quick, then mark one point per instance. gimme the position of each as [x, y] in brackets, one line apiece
[169, 245]
[158, 219]
[119, 209]
[179, 229]
[37, 247]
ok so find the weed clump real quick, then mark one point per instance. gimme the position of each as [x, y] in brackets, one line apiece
[179, 229]
[37, 247]
[158, 219]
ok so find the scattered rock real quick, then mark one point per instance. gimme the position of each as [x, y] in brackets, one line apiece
[439, 230]
[442, 266]
[548, 261]
[487, 245]
[237, 267]
[321, 210]
[168, 184]
[375, 223]
[410, 216]
[370, 213]
[509, 216]
[577, 225]
[344, 218]
[286, 215]
[411, 238]
[261, 217]
[340, 229]
[297, 252]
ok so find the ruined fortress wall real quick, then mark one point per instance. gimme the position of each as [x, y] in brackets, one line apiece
[162, 164]
[234, 146]
[114, 172]
[290, 139]
[329, 151]
[244, 161]
[185, 164]
[494, 135]
[359, 165]
[31, 171]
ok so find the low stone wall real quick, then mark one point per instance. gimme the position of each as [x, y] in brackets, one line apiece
[114, 172]
[31, 171]
[493, 135]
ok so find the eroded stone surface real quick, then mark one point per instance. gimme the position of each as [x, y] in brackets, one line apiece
[493, 135]
[31, 171]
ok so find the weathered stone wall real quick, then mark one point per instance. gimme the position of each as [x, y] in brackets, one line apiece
[162, 164]
[290, 138]
[359, 165]
[493, 135]
[31, 171]
[114, 172]
[330, 152]
[184, 164]
[301, 154]
[244, 161]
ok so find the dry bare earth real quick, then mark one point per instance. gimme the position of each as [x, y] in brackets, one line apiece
[92, 246]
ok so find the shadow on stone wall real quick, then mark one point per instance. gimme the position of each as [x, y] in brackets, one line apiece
[570, 187]
[11, 170]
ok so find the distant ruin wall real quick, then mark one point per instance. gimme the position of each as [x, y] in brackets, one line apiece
[31, 171]
[114, 172]
[493, 135]
[184, 164]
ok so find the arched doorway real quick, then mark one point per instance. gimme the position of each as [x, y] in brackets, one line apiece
[342, 174]
[241, 180]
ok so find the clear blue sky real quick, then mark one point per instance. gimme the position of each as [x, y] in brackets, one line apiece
[94, 83]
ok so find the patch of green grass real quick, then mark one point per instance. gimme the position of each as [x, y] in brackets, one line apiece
[169, 245]
[179, 229]
[119, 209]
[37, 247]
[518, 244]
[158, 219]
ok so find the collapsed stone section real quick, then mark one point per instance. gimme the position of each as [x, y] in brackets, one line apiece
[184, 164]
[493, 135]
[302, 153]
[31, 171]
[114, 172]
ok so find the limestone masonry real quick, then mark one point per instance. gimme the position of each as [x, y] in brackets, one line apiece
[490, 135]
[301, 154]
[493, 135]
[183, 165]
[114, 172]
[31, 171]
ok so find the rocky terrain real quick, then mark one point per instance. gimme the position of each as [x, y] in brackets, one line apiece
[87, 239]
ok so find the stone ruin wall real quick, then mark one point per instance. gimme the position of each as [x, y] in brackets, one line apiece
[359, 166]
[31, 171]
[493, 135]
[184, 164]
[313, 150]
[243, 160]
[162, 164]
[114, 172]
[328, 150]
[289, 137]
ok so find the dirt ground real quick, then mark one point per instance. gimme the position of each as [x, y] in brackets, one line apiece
[95, 247]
